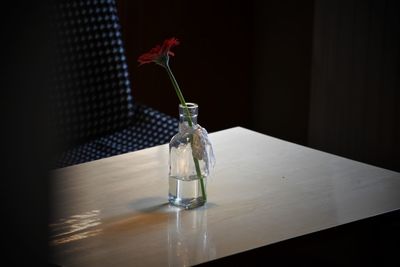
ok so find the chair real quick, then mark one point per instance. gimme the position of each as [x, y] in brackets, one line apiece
[96, 115]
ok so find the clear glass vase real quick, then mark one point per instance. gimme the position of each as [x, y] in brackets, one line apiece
[188, 165]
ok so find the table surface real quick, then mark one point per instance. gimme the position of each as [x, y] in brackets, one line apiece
[114, 211]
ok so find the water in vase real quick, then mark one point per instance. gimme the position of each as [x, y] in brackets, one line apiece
[184, 185]
[185, 192]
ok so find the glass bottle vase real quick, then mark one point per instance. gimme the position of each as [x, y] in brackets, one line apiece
[188, 168]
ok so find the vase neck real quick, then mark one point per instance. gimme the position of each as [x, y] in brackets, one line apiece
[192, 109]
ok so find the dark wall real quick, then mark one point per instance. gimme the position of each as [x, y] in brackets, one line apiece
[212, 64]
[246, 63]
[355, 94]
[282, 68]
[25, 134]
[317, 73]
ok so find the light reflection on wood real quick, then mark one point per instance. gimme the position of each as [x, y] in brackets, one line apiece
[265, 191]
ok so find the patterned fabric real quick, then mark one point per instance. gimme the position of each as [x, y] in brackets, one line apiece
[151, 128]
[94, 110]
[92, 89]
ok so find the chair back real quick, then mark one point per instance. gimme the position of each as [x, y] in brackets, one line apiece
[92, 92]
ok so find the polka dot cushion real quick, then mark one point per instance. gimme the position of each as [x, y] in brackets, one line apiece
[94, 110]
[151, 128]
[92, 92]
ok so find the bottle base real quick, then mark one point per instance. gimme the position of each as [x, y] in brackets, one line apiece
[187, 204]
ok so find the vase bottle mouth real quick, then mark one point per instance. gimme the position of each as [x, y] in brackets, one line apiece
[193, 109]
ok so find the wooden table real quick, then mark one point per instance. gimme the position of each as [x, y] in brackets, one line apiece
[114, 211]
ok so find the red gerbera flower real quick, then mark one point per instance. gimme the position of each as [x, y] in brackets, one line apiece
[159, 54]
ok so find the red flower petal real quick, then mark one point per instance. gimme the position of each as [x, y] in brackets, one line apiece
[159, 54]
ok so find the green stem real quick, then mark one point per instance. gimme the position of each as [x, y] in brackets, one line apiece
[189, 119]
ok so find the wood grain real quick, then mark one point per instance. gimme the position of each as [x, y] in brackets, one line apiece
[114, 211]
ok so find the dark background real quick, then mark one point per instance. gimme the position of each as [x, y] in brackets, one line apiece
[319, 73]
